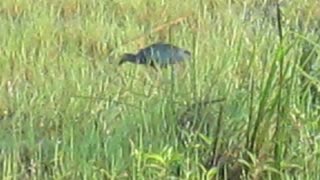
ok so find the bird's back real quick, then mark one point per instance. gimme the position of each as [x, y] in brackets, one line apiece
[163, 54]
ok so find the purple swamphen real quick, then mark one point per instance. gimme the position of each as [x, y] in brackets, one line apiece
[157, 54]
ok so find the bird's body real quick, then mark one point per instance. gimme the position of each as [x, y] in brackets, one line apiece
[158, 54]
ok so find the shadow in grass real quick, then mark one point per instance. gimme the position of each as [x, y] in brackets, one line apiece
[197, 119]
[200, 131]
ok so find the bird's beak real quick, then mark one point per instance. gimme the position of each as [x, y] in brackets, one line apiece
[121, 62]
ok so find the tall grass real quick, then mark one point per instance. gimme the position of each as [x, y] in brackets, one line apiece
[67, 111]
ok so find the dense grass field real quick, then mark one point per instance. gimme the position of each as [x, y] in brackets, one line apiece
[68, 111]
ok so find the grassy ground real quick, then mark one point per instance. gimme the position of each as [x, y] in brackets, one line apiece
[67, 111]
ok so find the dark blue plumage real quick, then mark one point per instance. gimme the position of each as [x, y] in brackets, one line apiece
[158, 54]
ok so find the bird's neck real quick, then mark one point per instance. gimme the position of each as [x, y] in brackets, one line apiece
[136, 59]
[131, 58]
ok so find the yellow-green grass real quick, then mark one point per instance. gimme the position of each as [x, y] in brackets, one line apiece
[68, 111]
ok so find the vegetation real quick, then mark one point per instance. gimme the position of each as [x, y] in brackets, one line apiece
[68, 111]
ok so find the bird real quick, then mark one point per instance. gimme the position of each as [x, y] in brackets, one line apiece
[157, 54]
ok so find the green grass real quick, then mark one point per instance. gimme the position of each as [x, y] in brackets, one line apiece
[67, 111]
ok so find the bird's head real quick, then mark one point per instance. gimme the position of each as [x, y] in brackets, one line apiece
[127, 57]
